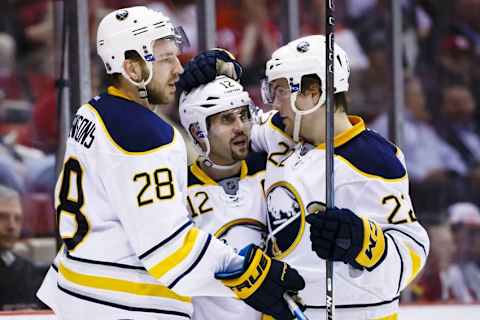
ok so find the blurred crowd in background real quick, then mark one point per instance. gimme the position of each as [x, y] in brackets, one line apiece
[441, 138]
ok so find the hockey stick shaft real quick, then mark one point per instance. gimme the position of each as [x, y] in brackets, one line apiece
[330, 109]
[294, 308]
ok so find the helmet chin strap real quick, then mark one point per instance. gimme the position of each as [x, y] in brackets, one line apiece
[299, 113]
[210, 164]
[296, 127]
[141, 85]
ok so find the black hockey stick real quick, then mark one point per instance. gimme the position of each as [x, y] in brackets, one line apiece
[329, 110]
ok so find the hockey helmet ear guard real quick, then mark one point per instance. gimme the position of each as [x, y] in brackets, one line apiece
[195, 107]
[136, 29]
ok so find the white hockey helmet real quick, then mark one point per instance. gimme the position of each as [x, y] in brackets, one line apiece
[217, 96]
[134, 28]
[301, 57]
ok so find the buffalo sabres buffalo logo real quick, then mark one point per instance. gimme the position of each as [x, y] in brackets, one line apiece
[241, 232]
[285, 219]
[121, 15]
[303, 46]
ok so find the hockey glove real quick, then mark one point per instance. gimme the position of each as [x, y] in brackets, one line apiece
[206, 66]
[340, 235]
[262, 281]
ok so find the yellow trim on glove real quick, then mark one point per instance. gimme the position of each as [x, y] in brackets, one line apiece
[245, 285]
[373, 244]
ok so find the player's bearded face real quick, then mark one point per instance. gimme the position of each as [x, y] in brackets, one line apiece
[229, 135]
[166, 71]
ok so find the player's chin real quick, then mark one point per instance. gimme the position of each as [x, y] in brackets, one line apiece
[240, 153]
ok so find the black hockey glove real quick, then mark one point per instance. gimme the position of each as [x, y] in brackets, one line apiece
[340, 235]
[262, 282]
[206, 66]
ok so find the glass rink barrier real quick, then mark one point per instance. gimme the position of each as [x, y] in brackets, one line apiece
[414, 75]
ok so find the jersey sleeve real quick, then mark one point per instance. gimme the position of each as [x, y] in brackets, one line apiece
[406, 241]
[268, 133]
[146, 191]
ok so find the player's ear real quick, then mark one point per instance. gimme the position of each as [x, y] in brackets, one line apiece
[311, 86]
[134, 69]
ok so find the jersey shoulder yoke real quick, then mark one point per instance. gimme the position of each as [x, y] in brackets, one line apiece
[132, 128]
[371, 154]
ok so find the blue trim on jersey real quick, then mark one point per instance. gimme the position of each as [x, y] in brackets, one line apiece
[278, 122]
[124, 307]
[407, 235]
[194, 264]
[192, 178]
[133, 127]
[256, 162]
[401, 261]
[371, 153]
[167, 239]
[105, 263]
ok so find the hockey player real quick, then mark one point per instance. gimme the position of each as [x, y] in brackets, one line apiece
[225, 184]
[372, 235]
[130, 249]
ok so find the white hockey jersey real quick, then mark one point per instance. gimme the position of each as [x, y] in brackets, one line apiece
[234, 210]
[371, 180]
[122, 215]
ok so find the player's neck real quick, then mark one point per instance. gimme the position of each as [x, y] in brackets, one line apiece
[218, 174]
[131, 93]
[316, 135]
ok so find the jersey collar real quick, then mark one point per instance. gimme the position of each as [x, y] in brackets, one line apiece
[203, 176]
[344, 137]
[111, 90]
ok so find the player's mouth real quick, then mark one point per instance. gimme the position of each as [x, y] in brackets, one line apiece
[240, 142]
[172, 83]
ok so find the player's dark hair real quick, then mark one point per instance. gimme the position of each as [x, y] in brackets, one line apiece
[340, 98]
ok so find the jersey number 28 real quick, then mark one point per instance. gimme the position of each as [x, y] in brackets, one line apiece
[71, 204]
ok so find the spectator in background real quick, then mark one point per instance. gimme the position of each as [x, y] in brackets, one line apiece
[436, 169]
[19, 277]
[251, 35]
[372, 94]
[464, 218]
[260, 37]
[472, 268]
[9, 80]
[8, 176]
[443, 279]
[456, 54]
[459, 128]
